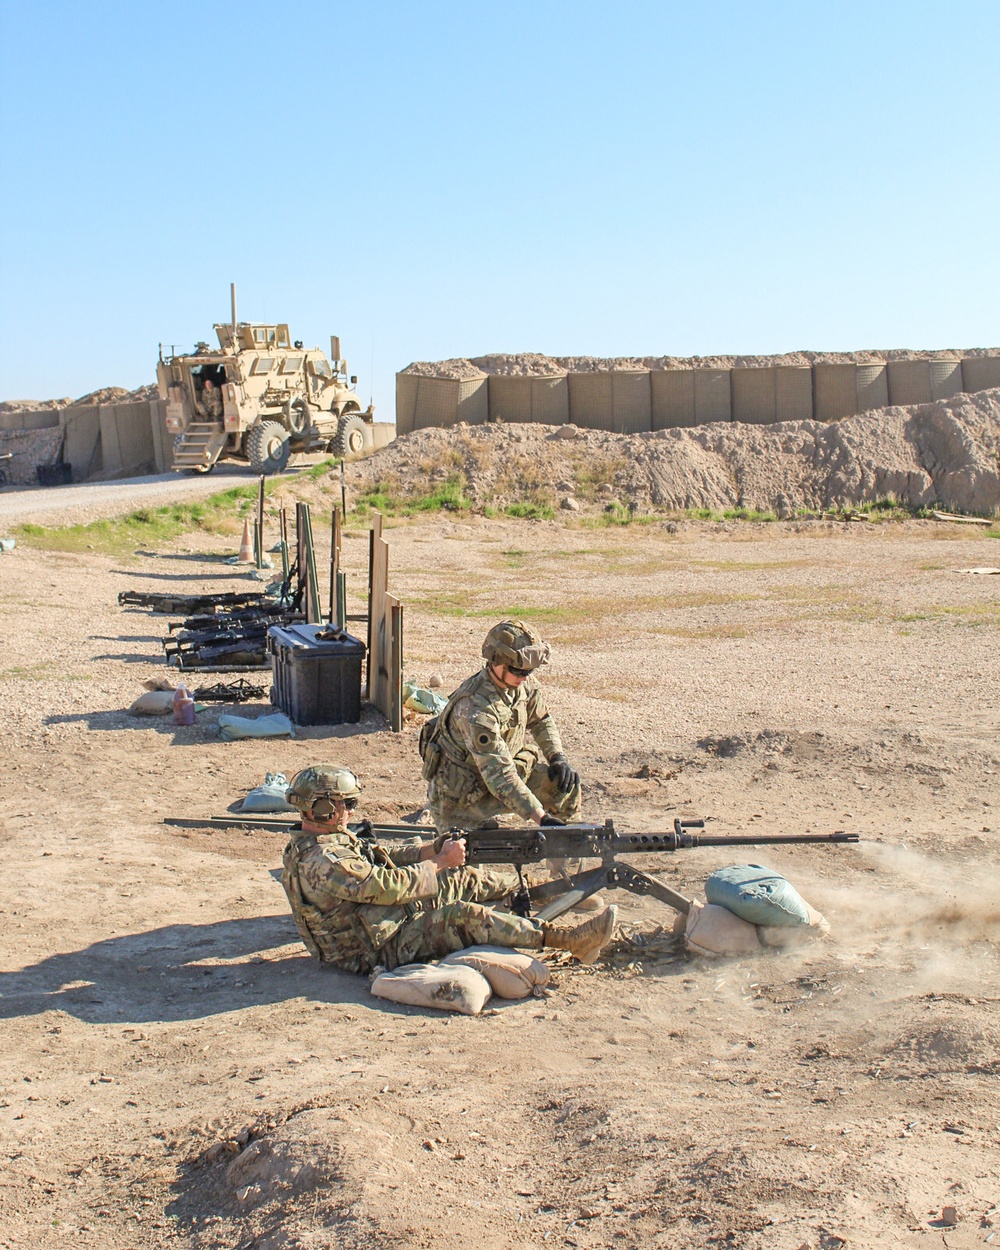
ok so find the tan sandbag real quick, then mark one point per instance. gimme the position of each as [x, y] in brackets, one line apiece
[785, 937]
[713, 930]
[155, 703]
[158, 683]
[447, 988]
[511, 974]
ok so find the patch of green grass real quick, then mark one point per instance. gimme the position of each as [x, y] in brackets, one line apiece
[385, 498]
[969, 615]
[29, 672]
[748, 514]
[450, 497]
[515, 558]
[530, 511]
[320, 470]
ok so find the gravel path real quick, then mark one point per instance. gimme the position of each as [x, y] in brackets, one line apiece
[89, 501]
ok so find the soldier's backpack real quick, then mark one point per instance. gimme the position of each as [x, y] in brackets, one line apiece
[428, 747]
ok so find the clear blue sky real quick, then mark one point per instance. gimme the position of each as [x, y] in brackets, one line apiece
[432, 179]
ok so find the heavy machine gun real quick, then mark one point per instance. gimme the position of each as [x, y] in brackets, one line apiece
[531, 845]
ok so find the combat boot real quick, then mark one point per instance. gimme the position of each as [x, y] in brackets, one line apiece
[585, 941]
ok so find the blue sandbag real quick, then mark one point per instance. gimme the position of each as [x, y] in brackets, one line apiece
[757, 894]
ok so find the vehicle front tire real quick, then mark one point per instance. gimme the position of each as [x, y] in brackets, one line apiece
[353, 437]
[268, 447]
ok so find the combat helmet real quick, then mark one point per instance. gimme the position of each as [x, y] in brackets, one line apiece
[516, 644]
[320, 782]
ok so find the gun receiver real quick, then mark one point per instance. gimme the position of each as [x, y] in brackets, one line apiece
[531, 845]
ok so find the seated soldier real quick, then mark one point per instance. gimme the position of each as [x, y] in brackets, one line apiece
[357, 904]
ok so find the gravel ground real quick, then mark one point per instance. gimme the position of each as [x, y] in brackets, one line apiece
[176, 1071]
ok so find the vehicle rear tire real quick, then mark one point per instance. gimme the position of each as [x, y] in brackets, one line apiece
[268, 447]
[352, 437]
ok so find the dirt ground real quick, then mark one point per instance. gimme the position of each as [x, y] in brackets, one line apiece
[176, 1071]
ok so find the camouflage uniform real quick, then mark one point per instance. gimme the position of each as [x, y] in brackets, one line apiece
[211, 402]
[478, 760]
[357, 904]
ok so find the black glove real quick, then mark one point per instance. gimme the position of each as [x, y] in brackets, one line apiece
[566, 778]
[553, 821]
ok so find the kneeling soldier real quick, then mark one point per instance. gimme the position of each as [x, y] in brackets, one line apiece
[357, 904]
[477, 757]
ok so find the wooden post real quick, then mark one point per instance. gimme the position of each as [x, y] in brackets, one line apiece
[260, 522]
[396, 664]
[334, 565]
[283, 530]
[341, 600]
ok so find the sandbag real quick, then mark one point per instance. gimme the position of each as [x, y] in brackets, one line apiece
[270, 797]
[511, 974]
[276, 725]
[759, 895]
[447, 987]
[785, 936]
[712, 930]
[417, 699]
[153, 703]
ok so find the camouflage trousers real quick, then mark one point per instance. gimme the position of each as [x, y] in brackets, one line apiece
[447, 814]
[458, 918]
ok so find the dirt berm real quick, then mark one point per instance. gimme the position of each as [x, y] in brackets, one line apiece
[943, 453]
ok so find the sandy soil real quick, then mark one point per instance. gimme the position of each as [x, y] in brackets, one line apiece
[176, 1071]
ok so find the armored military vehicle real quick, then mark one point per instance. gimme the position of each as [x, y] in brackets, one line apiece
[259, 397]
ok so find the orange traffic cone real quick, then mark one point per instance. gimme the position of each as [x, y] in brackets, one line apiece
[246, 544]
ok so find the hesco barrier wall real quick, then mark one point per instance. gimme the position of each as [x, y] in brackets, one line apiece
[422, 401]
[764, 395]
[689, 397]
[842, 390]
[633, 401]
[611, 400]
[920, 381]
[517, 398]
[979, 373]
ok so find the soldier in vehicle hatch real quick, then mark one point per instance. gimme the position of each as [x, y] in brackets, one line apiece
[478, 761]
[211, 399]
[358, 905]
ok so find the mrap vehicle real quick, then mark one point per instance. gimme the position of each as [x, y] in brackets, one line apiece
[259, 397]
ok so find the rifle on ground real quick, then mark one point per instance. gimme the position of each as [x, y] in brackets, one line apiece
[531, 845]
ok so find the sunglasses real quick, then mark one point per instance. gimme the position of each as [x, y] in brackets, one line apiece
[517, 672]
[325, 806]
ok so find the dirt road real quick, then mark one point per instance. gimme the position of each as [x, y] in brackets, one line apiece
[88, 501]
[177, 1072]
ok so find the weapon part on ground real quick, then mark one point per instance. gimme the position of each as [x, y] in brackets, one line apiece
[240, 691]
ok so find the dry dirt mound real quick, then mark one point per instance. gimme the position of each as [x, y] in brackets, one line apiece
[535, 364]
[944, 453]
[106, 395]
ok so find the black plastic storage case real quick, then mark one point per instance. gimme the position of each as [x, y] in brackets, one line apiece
[316, 682]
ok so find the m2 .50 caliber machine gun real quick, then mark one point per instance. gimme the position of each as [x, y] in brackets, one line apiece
[531, 845]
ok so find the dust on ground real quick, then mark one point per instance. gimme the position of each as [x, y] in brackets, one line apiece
[176, 1071]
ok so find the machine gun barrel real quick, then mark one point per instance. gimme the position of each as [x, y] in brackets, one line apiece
[584, 841]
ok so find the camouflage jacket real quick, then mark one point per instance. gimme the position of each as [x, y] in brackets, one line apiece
[481, 732]
[211, 402]
[349, 896]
